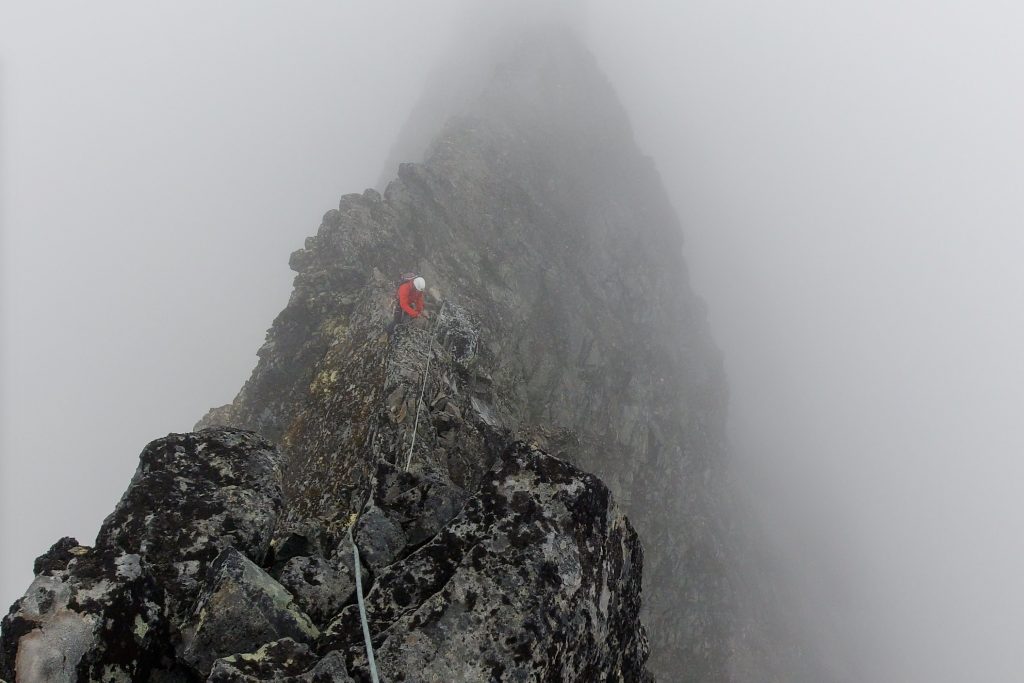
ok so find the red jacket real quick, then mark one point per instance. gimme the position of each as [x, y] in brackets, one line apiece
[410, 299]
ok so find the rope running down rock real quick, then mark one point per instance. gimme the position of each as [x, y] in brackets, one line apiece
[362, 607]
[423, 385]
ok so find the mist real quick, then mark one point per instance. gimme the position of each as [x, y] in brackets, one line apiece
[849, 180]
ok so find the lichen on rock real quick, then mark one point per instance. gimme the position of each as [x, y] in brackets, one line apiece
[537, 578]
[114, 612]
[240, 605]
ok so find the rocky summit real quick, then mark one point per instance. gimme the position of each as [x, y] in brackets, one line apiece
[514, 471]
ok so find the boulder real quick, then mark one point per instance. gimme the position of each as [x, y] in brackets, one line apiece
[88, 615]
[192, 496]
[283, 661]
[241, 606]
[537, 578]
[404, 510]
[297, 538]
[320, 587]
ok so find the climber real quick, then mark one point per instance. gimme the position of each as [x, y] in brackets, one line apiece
[409, 305]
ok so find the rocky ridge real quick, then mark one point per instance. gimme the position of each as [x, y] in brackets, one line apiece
[569, 322]
[459, 586]
[476, 461]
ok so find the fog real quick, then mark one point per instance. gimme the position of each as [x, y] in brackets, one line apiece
[850, 178]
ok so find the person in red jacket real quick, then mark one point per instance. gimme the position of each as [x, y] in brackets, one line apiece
[410, 301]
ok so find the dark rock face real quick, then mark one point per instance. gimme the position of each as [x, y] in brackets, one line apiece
[57, 557]
[240, 605]
[563, 339]
[114, 612]
[568, 317]
[284, 661]
[404, 511]
[537, 578]
[97, 616]
[192, 496]
[320, 588]
[535, 575]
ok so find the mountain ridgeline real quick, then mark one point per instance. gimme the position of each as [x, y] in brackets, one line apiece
[516, 474]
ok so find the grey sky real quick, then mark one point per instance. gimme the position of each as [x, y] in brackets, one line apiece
[849, 176]
[159, 165]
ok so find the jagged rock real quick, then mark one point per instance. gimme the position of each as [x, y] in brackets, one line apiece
[568, 307]
[381, 540]
[193, 495]
[298, 538]
[91, 615]
[221, 416]
[239, 607]
[320, 587]
[285, 547]
[58, 556]
[460, 336]
[283, 661]
[537, 578]
[396, 403]
[342, 555]
[568, 322]
[404, 510]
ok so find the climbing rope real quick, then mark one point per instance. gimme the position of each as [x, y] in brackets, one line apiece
[374, 677]
[362, 606]
[423, 384]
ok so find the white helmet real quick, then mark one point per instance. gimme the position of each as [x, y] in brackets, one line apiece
[419, 283]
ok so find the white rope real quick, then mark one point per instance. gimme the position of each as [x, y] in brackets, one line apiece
[423, 386]
[362, 607]
[355, 549]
